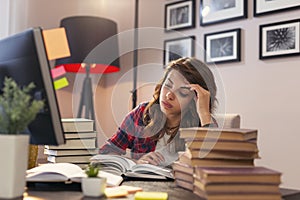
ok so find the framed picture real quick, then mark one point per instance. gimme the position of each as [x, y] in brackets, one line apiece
[224, 46]
[180, 15]
[179, 47]
[217, 11]
[262, 7]
[279, 39]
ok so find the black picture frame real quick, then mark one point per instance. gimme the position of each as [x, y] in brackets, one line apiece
[270, 7]
[223, 46]
[180, 15]
[178, 47]
[279, 39]
[217, 11]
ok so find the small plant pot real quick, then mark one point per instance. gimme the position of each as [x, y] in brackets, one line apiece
[93, 186]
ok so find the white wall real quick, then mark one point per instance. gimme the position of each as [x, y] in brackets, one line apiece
[264, 92]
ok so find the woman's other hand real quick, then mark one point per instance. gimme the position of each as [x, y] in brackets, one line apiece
[154, 158]
[202, 100]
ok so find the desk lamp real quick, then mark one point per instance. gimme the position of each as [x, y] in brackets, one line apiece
[85, 34]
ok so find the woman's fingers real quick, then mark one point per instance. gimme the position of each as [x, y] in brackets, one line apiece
[153, 158]
[202, 100]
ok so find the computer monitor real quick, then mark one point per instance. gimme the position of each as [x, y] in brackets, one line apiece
[23, 57]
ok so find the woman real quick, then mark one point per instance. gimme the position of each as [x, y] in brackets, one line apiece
[185, 97]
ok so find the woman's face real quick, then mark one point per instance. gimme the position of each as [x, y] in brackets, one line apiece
[175, 94]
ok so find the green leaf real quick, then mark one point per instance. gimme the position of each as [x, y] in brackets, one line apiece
[92, 170]
[17, 109]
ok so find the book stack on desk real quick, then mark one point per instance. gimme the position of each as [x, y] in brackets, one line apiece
[80, 143]
[251, 183]
[208, 147]
[219, 147]
[183, 174]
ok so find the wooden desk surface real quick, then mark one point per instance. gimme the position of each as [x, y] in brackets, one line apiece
[174, 192]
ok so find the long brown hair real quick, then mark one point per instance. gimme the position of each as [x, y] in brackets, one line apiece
[195, 72]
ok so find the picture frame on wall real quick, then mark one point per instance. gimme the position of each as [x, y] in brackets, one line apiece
[279, 39]
[178, 47]
[224, 46]
[218, 11]
[180, 15]
[272, 6]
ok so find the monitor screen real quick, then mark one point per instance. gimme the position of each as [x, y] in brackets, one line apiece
[23, 58]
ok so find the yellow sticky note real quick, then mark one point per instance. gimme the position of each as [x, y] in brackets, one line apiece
[60, 83]
[151, 196]
[56, 43]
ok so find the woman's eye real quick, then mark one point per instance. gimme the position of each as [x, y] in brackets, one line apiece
[183, 94]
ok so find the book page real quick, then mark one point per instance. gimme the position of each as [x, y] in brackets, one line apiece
[114, 161]
[111, 179]
[152, 169]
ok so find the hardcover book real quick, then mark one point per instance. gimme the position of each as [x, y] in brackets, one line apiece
[226, 187]
[206, 162]
[184, 184]
[218, 133]
[226, 145]
[85, 143]
[221, 154]
[184, 176]
[79, 135]
[67, 152]
[237, 196]
[178, 166]
[237, 175]
[69, 159]
[77, 125]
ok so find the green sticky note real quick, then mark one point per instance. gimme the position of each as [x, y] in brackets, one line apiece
[61, 83]
[151, 196]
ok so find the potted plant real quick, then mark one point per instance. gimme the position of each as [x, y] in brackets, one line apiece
[17, 110]
[93, 185]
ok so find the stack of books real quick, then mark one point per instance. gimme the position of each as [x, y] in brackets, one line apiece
[80, 146]
[183, 174]
[208, 147]
[219, 147]
[251, 183]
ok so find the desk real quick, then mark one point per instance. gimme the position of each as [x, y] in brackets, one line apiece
[174, 192]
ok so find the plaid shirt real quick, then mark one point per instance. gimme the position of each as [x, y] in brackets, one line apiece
[130, 135]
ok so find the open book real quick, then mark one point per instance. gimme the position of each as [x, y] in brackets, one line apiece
[65, 172]
[124, 166]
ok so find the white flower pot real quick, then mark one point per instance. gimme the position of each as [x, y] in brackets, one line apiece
[14, 161]
[93, 187]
